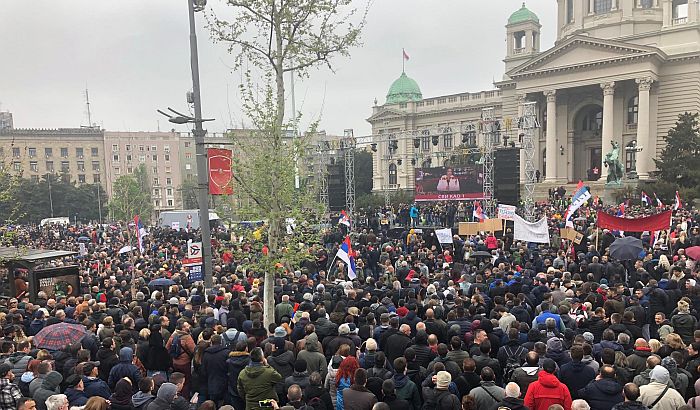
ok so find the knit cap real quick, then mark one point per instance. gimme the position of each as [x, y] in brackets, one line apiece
[443, 380]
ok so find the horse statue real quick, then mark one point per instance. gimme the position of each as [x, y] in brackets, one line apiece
[612, 161]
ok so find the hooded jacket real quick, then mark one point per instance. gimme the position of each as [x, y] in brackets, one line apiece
[602, 394]
[108, 359]
[315, 360]
[524, 376]
[407, 390]
[141, 400]
[576, 375]
[96, 387]
[48, 388]
[214, 369]
[684, 324]
[547, 390]
[236, 362]
[257, 382]
[125, 368]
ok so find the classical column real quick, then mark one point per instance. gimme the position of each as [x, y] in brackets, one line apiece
[614, 5]
[591, 7]
[551, 142]
[643, 119]
[608, 118]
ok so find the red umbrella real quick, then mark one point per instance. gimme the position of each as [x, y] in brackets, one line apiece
[59, 335]
[693, 252]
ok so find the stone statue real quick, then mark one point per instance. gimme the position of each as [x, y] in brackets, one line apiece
[612, 161]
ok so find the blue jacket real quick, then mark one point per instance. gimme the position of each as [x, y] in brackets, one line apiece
[96, 387]
[542, 317]
[125, 368]
[76, 397]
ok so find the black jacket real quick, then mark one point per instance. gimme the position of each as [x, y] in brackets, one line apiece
[602, 394]
[396, 346]
[214, 369]
[576, 375]
[512, 403]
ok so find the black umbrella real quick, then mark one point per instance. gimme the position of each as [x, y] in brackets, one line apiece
[161, 282]
[627, 248]
[481, 254]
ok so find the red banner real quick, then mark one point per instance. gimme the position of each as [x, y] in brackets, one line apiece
[220, 173]
[658, 222]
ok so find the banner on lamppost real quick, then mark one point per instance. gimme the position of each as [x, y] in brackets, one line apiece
[220, 173]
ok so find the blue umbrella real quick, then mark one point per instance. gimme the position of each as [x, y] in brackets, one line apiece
[161, 282]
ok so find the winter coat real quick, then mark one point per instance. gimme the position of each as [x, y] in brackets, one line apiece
[315, 360]
[107, 358]
[343, 384]
[443, 399]
[283, 362]
[125, 368]
[141, 400]
[684, 324]
[256, 382]
[602, 394]
[455, 370]
[187, 347]
[487, 395]
[299, 378]
[524, 376]
[407, 390]
[156, 355]
[423, 353]
[395, 403]
[358, 398]
[48, 388]
[236, 362]
[396, 345]
[512, 403]
[96, 387]
[324, 328]
[638, 360]
[324, 398]
[214, 370]
[547, 390]
[672, 400]
[19, 362]
[630, 405]
[576, 375]
[75, 397]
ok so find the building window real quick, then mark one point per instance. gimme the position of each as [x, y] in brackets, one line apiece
[64, 152]
[168, 170]
[117, 171]
[115, 147]
[49, 166]
[188, 155]
[34, 166]
[518, 42]
[79, 152]
[631, 156]
[96, 179]
[65, 166]
[15, 152]
[187, 144]
[129, 170]
[96, 166]
[168, 181]
[155, 181]
[167, 157]
[128, 147]
[156, 203]
[81, 165]
[602, 6]
[169, 192]
[680, 11]
[569, 11]
[94, 151]
[633, 110]
[188, 166]
[32, 152]
[448, 139]
[156, 191]
[142, 148]
[154, 170]
[170, 202]
[166, 148]
[142, 158]
[593, 120]
[128, 157]
[35, 179]
[115, 158]
[17, 166]
[154, 148]
[647, 4]
[48, 152]
[425, 140]
[65, 178]
[392, 174]
[81, 178]
[155, 158]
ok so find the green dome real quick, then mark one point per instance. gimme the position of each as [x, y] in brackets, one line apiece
[523, 15]
[404, 89]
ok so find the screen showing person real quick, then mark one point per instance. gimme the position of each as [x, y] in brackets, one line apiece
[448, 182]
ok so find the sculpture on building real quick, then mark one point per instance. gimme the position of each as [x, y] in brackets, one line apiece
[612, 161]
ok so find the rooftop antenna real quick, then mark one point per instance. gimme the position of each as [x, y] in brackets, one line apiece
[87, 104]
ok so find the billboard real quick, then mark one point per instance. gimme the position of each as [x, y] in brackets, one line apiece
[220, 171]
[449, 183]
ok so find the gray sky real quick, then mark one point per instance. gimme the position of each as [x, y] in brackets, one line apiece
[134, 57]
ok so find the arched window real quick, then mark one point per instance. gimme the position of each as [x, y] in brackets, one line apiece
[593, 120]
[633, 110]
[392, 174]
[631, 156]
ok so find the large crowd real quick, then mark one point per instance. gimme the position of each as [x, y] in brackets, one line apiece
[422, 326]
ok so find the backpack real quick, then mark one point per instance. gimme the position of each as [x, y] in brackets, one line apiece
[434, 402]
[315, 403]
[512, 363]
[176, 348]
[227, 341]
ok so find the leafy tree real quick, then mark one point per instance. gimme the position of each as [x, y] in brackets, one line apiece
[10, 209]
[188, 189]
[679, 162]
[131, 195]
[274, 37]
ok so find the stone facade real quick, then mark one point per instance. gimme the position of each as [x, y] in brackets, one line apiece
[620, 70]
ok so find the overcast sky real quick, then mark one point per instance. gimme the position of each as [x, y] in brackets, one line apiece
[133, 56]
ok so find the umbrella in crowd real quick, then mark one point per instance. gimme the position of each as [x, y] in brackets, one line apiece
[126, 249]
[161, 282]
[693, 252]
[59, 335]
[627, 248]
[83, 239]
[481, 254]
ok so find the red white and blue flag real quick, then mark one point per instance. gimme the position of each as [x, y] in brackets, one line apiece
[646, 200]
[577, 200]
[658, 201]
[678, 204]
[140, 232]
[478, 213]
[344, 218]
[345, 254]
[621, 209]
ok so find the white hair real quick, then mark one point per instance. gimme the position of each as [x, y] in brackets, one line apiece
[578, 404]
[56, 401]
[512, 390]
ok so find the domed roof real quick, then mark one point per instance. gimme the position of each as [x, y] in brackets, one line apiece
[404, 89]
[522, 15]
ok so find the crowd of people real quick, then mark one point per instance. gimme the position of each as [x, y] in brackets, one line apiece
[417, 325]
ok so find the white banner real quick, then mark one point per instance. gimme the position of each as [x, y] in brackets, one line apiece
[444, 235]
[506, 212]
[537, 232]
[175, 225]
[194, 250]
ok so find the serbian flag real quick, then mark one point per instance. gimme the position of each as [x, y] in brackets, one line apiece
[140, 231]
[344, 218]
[345, 255]
[678, 204]
[405, 55]
[645, 199]
[478, 213]
[621, 210]
[658, 201]
[577, 200]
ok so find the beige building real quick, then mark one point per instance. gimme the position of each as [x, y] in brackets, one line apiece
[620, 71]
[76, 154]
[159, 152]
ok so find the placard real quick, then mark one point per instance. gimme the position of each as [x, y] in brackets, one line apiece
[175, 225]
[195, 274]
[468, 228]
[444, 235]
[506, 212]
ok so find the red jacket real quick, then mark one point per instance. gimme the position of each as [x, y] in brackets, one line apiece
[545, 391]
[491, 242]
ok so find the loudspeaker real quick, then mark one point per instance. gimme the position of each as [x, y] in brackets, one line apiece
[506, 178]
[336, 187]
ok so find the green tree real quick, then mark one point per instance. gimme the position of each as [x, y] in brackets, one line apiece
[679, 162]
[274, 37]
[130, 197]
[188, 190]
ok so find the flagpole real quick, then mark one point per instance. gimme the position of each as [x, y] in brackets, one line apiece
[403, 60]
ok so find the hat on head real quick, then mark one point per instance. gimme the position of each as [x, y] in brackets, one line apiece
[344, 329]
[280, 332]
[173, 301]
[300, 365]
[73, 380]
[554, 344]
[659, 374]
[443, 380]
[167, 392]
[4, 369]
[308, 296]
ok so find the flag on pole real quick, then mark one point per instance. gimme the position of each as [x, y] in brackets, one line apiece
[645, 199]
[478, 213]
[405, 56]
[658, 201]
[140, 231]
[621, 209]
[577, 200]
[344, 218]
[345, 255]
[678, 204]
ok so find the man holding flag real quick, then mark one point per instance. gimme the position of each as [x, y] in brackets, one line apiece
[345, 254]
[140, 232]
[577, 200]
[344, 218]
[645, 199]
[658, 201]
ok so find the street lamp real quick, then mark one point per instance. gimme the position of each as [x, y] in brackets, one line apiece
[201, 154]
